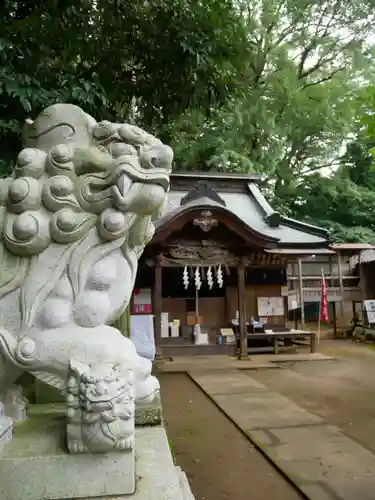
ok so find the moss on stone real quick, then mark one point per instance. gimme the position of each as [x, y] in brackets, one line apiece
[46, 409]
[150, 415]
[39, 435]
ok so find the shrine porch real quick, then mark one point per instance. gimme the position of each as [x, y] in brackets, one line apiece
[179, 347]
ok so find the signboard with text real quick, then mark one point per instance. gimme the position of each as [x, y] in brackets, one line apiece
[370, 310]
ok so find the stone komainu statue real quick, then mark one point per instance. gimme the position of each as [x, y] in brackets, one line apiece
[76, 214]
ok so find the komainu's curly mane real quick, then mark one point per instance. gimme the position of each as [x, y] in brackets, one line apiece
[75, 182]
[75, 215]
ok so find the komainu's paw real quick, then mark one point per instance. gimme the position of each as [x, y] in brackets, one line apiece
[125, 443]
[77, 447]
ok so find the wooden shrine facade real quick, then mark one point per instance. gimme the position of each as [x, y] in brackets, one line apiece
[218, 233]
[244, 278]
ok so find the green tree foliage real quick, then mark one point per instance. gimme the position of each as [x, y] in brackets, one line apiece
[269, 86]
[366, 110]
[358, 162]
[110, 56]
[343, 202]
[302, 104]
[298, 92]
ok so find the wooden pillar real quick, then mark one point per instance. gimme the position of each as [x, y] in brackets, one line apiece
[362, 281]
[334, 320]
[241, 289]
[301, 300]
[286, 311]
[157, 300]
[339, 265]
[294, 291]
[354, 310]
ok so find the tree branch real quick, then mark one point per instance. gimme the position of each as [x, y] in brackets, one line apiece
[333, 163]
[323, 79]
[289, 29]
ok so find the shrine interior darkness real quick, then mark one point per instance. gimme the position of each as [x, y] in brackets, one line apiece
[172, 284]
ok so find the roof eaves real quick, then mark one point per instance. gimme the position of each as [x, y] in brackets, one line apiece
[274, 218]
[353, 246]
[289, 250]
[205, 203]
[307, 228]
[254, 177]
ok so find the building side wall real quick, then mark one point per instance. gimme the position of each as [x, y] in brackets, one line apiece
[219, 311]
[212, 310]
[252, 294]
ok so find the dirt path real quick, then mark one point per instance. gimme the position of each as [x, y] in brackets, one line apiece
[342, 391]
[220, 462]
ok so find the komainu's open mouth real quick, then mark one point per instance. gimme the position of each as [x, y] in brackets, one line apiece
[129, 166]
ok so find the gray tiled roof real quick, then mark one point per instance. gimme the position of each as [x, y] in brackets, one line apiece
[251, 208]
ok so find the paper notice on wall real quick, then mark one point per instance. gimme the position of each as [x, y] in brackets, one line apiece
[370, 310]
[164, 325]
[142, 334]
[270, 306]
[142, 301]
[175, 330]
[292, 302]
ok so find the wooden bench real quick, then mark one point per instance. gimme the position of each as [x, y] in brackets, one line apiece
[274, 338]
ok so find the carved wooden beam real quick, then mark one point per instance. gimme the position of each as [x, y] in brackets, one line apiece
[205, 222]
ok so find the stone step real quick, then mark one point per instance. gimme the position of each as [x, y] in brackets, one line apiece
[184, 483]
[34, 465]
[6, 426]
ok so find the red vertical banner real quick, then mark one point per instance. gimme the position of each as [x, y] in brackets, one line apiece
[323, 302]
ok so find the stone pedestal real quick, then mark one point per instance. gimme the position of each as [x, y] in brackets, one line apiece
[15, 404]
[150, 414]
[36, 466]
[6, 425]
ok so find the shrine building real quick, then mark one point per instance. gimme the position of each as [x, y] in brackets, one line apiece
[221, 257]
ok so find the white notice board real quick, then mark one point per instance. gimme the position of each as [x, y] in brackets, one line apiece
[370, 310]
[293, 302]
[142, 334]
[270, 306]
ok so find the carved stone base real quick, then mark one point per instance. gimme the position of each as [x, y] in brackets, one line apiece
[6, 426]
[15, 404]
[150, 414]
[34, 465]
[184, 483]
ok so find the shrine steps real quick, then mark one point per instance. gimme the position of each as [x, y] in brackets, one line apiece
[171, 350]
